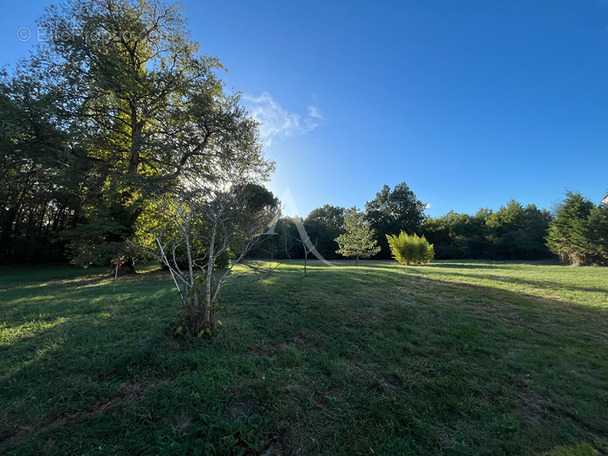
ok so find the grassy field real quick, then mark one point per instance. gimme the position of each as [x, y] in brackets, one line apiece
[452, 358]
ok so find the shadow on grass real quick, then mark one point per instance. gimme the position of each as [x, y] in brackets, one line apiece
[345, 360]
[76, 296]
[509, 344]
[443, 264]
[538, 283]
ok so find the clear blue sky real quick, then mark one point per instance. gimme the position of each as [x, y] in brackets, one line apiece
[471, 103]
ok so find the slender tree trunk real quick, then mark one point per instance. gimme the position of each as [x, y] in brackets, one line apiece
[208, 281]
[189, 252]
[357, 261]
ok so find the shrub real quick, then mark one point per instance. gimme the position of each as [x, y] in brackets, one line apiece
[408, 249]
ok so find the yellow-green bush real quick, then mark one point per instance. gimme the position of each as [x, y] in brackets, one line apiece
[408, 249]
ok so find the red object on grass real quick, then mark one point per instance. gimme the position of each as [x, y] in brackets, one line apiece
[118, 264]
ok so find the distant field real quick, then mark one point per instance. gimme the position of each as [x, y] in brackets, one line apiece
[453, 358]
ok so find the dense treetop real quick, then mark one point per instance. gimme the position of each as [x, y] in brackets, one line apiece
[118, 106]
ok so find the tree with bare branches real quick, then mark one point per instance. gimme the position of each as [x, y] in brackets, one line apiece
[203, 222]
[202, 225]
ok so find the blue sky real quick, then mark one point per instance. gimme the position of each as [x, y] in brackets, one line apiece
[471, 103]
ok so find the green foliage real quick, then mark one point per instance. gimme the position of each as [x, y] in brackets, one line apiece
[358, 239]
[38, 193]
[597, 233]
[323, 225]
[512, 232]
[280, 242]
[392, 211]
[224, 259]
[579, 233]
[412, 249]
[580, 449]
[96, 125]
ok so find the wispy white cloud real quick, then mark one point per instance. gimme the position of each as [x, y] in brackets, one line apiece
[314, 113]
[277, 122]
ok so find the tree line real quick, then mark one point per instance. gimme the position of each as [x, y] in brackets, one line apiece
[576, 233]
[119, 111]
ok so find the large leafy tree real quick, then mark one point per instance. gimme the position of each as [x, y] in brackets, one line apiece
[323, 225]
[358, 239]
[459, 235]
[394, 210]
[140, 109]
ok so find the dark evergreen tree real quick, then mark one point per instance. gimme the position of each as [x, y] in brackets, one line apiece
[597, 234]
[518, 232]
[568, 233]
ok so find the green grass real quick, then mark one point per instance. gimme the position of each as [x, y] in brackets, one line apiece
[452, 358]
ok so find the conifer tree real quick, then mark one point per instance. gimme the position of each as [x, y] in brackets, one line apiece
[358, 240]
[567, 232]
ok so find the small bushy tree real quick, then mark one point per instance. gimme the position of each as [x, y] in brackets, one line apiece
[203, 222]
[203, 226]
[358, 239]
[408, 249]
